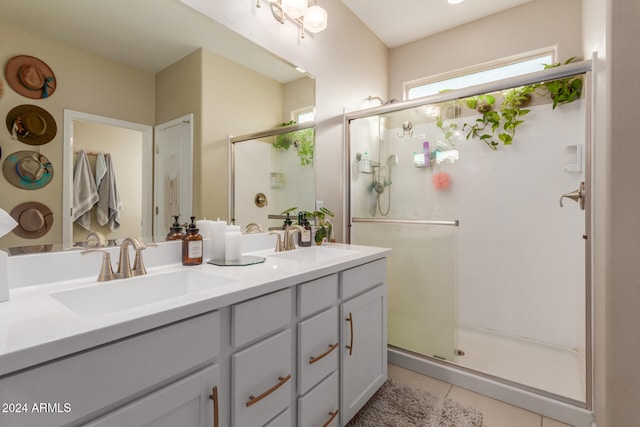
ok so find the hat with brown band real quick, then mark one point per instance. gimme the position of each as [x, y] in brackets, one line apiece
[27, 170]
[31, 124]
[30, 77]
[34, 220]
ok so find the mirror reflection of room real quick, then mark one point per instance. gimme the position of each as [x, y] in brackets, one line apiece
[111, 176]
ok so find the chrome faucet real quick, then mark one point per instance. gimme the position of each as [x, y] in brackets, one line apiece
[253, 228]
[290, 243]
[101, 241]
[124, 263]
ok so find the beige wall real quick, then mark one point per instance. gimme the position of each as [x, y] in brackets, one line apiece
[532, 26]
[298, 94]
[86, 83]
[347, 60]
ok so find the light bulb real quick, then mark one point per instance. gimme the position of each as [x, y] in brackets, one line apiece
[315, 19]
[294, 8]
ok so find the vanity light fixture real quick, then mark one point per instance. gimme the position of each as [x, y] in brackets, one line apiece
[455, 1]
[306, 13]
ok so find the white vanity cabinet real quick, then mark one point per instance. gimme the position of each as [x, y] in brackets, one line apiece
[363, 336]
[144, 368]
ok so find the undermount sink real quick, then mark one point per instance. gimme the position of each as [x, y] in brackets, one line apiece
[118, 295]
[314, 254]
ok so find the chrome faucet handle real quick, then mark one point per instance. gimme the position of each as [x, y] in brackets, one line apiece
[138, 263]
[106, 270]
[279, 244]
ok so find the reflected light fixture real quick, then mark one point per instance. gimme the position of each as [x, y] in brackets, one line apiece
[455, 1]
[306, 13]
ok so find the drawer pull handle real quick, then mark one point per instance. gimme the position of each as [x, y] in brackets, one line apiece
[214, 396]
[313, 359]
[333, 415]
[255, 399]
[350, 346]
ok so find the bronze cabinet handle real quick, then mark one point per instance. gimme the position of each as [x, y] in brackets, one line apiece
[350, 346]
[333, 415]
[314, 359]
[255, 399]
[214, 396]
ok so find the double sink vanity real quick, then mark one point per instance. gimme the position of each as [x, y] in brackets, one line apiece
[298, 340]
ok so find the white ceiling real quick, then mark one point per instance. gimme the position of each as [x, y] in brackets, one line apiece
[153, 34]
[398, 22]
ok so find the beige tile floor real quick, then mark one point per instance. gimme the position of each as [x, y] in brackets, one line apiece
[496, 413]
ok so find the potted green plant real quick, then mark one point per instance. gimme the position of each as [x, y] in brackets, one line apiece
[511, 111]
[563, 91]
[483, 104]
[324, 225]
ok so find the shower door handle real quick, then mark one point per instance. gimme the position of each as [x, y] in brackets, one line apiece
[577, 196]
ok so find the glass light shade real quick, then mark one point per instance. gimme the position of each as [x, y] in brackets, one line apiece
[315, 20]
[455, 1]
[294, 8]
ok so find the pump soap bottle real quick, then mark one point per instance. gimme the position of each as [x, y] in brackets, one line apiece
[304, 237]
[175, 232]
[192, 245]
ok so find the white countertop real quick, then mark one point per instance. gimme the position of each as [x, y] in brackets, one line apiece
[36, 328]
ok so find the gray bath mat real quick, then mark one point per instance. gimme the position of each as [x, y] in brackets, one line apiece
[398, 405]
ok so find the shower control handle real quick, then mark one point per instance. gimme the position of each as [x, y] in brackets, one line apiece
[577, 196]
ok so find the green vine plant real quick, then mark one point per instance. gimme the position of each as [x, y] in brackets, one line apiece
[495, 126]
[302, 140]
[448, 110]
[563, 91]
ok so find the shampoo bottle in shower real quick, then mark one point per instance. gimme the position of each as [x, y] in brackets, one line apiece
[192, 245]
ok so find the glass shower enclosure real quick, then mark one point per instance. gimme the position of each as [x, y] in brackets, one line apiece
[489, 267]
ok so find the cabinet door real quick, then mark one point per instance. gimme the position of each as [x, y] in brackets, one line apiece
[190, 402]
[363, 349]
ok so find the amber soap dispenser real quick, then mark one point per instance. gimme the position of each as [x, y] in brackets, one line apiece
[175, 233]
[192, 245]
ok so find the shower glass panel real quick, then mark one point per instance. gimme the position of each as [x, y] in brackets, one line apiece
[488, 266]
[397, 203]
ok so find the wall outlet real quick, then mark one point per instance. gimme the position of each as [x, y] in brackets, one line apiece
[319, 204]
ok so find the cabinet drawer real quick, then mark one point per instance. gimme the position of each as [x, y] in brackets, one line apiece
[260, 316]
[102, 379]
[183, 403]
[359, 279]
[261, 377]
[317, 348]
[317, 294]
[320, 405]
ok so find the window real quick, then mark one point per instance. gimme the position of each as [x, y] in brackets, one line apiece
[490, 72]
[304, 115]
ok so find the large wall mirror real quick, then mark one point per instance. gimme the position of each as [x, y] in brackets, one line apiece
[130, 62]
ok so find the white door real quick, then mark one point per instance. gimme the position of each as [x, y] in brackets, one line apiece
[172, 173]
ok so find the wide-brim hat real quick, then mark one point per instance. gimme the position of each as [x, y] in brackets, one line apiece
[33, 125]
[28, 170]
[30, 77]
[34, 220]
